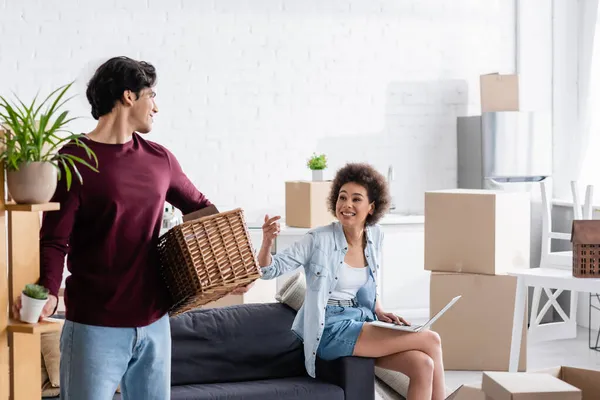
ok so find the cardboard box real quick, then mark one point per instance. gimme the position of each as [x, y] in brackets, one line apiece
[499, 92]
[306, 204]
[524, 386]
[477, 331]
[477, 231]
[467, 392]
[588, 381]
[585, 379]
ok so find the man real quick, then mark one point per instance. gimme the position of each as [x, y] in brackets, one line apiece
[117, 328]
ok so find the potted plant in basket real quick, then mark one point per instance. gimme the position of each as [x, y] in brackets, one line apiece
[317, 163]
[33, 301]
[29, 147]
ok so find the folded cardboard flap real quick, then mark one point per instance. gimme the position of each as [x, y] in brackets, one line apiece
[467, 392]
[204, 212]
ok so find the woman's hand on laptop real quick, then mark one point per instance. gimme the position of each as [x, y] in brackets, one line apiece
[391, 318]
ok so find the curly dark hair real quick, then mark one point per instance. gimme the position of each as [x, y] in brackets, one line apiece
[369, 178]
[115, 76]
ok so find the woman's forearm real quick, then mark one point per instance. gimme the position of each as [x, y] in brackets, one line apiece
[377, 304]
[264, 256]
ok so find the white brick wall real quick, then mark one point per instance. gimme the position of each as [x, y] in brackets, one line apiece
[248, 89]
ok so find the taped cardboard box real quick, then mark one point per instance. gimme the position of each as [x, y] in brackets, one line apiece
[587, 380]
[476, 332]
[499, 92]
[477, 231]
[306, 204]
[524, 386]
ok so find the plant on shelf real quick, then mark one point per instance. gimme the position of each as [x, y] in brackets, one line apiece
[317, 163]
[33, 301]
[33, 136]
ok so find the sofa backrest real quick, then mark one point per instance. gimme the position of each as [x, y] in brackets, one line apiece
[236, 343]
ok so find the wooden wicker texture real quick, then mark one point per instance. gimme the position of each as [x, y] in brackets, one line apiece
[586, 248]
[205, 259]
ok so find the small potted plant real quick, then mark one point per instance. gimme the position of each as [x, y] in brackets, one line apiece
[33, 300]
[317, 164]
[32, 136]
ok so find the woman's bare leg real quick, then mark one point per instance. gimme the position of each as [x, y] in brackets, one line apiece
[380, 342]
[415, 364]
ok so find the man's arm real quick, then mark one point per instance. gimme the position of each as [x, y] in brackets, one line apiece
[182, 193]
[55, 234]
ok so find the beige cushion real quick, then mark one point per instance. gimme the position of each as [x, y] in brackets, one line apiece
[50, 345]
[47, 389]
[292, 292]
[397, 380]
[384, 392]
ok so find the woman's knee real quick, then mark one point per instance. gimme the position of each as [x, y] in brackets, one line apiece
[422, 367]
[435, 338]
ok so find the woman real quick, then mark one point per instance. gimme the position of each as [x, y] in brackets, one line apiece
[341, 263]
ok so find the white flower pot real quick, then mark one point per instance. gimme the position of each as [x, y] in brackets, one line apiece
[317, 175]
[31, 309]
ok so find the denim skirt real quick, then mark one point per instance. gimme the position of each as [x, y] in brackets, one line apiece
[342, 327]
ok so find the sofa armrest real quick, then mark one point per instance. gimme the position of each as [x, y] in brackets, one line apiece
[356, 375]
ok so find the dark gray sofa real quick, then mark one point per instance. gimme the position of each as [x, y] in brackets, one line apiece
[249, 352]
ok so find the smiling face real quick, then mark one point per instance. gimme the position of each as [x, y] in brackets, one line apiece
[353, 206]
[143, 108]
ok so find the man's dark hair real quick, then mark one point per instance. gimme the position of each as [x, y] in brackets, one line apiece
[114, 77]
[369, 178]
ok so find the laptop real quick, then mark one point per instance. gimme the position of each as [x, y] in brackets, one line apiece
[416, 328]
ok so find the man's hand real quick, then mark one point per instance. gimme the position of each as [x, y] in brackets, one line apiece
[49, 307]
[243, 289]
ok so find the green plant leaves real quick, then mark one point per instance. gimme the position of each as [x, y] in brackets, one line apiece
[36, 291]
[317, 162]
[33, 134]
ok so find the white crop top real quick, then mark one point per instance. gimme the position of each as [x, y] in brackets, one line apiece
[350, 281]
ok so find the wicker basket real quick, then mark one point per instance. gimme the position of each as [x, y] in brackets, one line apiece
[585, 237]
[205, 259]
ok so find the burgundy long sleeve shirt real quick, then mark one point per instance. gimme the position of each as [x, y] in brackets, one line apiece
[108, 229]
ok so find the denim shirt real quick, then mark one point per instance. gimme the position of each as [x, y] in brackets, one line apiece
[321, 252]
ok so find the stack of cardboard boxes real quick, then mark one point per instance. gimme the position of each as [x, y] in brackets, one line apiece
[472, 237]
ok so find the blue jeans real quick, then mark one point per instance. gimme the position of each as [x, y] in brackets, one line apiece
[95, 359]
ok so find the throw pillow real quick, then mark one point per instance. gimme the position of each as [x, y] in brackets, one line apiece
[396, 380]
[286, 284]
[384, 392]
[293, 291]
[50, 346]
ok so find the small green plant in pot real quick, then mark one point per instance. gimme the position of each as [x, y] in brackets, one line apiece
[317, 163]
[33, 300]
[33, 135]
